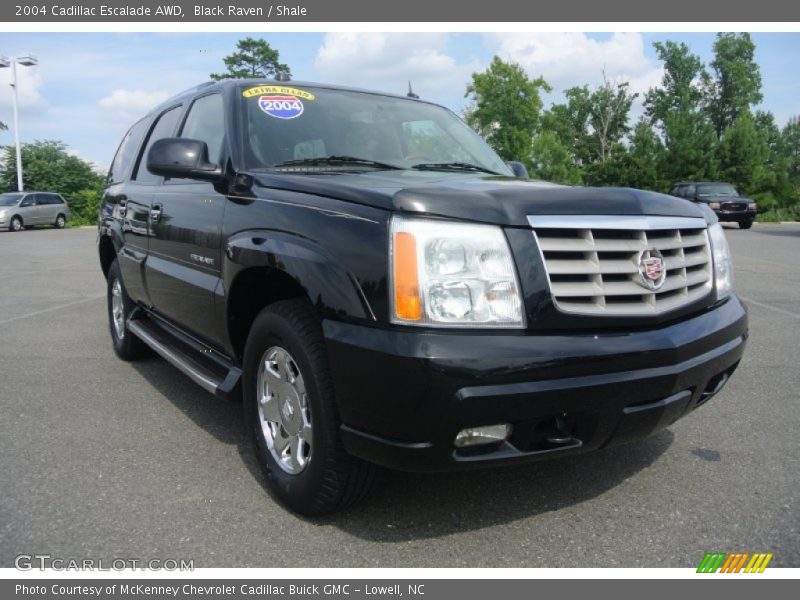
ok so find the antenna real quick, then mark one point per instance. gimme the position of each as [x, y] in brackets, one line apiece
[411, 93]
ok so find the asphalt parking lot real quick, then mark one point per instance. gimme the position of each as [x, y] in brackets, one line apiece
[106, 459]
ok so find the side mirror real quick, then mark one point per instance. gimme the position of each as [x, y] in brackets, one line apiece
[519, 169]
[182, 158]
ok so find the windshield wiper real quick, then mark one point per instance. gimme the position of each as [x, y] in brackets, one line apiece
[335, 161]
[453, 166]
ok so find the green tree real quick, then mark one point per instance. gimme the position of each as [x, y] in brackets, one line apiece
[744, 155]
[253, 59]
[676, 110]
[49, 167]
[552, 161]
[3, 126]
[610, 105]
[777, 164]
[736, 85]
[505, 108]
[788, 183]
[569, 122]
[591, 126]
[641, 164]
[790, 148]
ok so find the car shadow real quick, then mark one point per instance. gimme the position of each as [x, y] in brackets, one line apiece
[788, 232]
[411, 506]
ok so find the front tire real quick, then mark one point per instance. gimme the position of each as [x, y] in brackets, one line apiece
[291, 410]
[126, 345]
[746, 224]
[15, 224]
[61, 222]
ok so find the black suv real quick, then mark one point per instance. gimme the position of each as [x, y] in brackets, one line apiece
[373, 282]
[723, 198]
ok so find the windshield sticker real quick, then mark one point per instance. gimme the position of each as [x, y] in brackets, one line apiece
[281, 107]
[279, 90]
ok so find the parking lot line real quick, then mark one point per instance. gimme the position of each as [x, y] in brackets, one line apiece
[782, 311]
[47, 310]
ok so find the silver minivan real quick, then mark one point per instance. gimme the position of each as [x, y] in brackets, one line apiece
[25, 209]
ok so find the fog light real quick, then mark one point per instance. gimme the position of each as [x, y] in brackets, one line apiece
[474, 436]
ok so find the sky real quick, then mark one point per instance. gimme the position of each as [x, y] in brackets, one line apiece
[90, 87]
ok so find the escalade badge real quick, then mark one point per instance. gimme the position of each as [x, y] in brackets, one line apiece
[652, 273]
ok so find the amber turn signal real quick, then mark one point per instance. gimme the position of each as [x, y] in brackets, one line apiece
[407, 303]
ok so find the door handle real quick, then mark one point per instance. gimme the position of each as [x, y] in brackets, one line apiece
[155, 213]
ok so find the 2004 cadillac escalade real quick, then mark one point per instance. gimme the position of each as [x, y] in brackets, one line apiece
[377, 286]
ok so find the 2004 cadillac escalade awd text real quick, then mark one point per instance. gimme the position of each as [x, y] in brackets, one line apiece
[373, 282]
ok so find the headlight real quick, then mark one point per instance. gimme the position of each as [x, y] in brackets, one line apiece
[713, 205]
[452, 274]
[2, 214]
[723, 270]
[752, 206]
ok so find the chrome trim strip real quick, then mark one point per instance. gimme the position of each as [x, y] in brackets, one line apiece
[204, 382]
[640, 222]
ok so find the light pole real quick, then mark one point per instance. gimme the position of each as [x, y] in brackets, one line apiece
[26, 60]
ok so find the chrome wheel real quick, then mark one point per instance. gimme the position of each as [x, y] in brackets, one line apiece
[60, 222]
[16, 224]
[117, 309]
[283, 410]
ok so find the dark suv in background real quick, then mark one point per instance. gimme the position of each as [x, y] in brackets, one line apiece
[372, 280]
[723, 198]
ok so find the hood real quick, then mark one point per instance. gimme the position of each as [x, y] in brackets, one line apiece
[476, 197]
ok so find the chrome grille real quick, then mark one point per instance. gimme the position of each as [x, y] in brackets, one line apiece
[592, 262]
[733, 206]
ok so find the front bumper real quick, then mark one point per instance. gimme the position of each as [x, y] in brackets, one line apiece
[404, 395]
[738, 216]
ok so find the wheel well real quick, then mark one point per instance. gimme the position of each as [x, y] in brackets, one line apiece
[21, 220]
[253, 290]
[107, 253]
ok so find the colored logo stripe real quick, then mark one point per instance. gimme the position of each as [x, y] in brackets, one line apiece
[758, 563]
[711, 562]
[734, 562]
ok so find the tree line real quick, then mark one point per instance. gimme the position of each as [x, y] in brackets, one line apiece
[699, 124]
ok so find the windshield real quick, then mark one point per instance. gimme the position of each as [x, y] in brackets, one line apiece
[716, 189]
[9, 199]
[283, 123]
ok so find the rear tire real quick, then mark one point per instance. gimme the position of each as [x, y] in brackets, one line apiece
[126, 345]
[15, 224]
[61, 222]
[289, 404]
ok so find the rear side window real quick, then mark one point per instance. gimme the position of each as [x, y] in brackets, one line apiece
[51, 199]
[164, 127]
[127, 152]
[206, 122]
